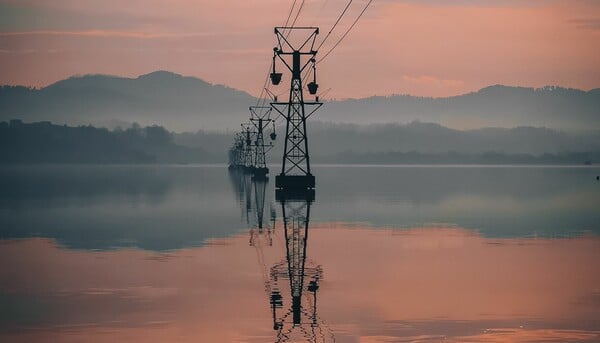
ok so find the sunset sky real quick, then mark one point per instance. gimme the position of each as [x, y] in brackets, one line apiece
[428, 47]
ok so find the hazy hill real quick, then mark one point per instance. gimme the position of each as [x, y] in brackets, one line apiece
[161, 98]
[494, 106]
[328, 139]
[186, 103]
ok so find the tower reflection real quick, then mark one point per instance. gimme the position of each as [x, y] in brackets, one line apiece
[256, 220]
[292, 283]
[302, 276]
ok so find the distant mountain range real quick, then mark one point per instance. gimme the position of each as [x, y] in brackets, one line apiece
[161, 98]
[182, 103]
[494, 106]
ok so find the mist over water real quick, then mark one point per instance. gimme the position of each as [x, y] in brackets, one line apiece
[170, 207]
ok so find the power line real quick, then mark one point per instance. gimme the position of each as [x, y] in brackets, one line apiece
[339, 18]
[290, 14]
[330, 31]
[335, 24]
[347, 31]
[320, 10]
[266, 83]
[262, 92]
[296, 18]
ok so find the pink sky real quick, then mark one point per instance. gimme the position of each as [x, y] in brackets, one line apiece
[429, 47]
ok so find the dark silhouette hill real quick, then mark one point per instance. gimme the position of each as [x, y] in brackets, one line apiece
[43, 142]
[328, 139]
[183, 103]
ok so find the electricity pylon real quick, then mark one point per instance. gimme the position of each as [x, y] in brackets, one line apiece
[248, 152]
[260, 116]
[236, 152]
[295, 169]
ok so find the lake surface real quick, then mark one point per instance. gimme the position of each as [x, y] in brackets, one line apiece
[383, 254]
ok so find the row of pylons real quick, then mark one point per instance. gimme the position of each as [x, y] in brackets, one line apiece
[249, 149]
[295, 184]
[295, 50]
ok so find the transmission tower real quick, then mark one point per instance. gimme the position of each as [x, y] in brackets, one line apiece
[248, 134]
[296, 57]
[260, 116]
[236, 152]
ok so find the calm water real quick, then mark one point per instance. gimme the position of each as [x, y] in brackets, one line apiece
[384, 254]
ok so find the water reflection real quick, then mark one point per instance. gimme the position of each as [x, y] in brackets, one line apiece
[107, 207]
[303, 279]
[375, 286]
[291, 284]
[254, 277]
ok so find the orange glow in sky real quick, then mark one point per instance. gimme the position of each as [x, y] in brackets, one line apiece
[427, 48]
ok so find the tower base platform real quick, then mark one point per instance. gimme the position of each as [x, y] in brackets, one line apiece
[295, 187]
[295, 181]
[260, 173]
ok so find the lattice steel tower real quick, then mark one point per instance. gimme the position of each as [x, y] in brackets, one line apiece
[295, 169]
[248, 133]
[260, 116]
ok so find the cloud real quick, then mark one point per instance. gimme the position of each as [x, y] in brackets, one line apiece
[586, 23]
[104, 33]
[433, 81]
[481, 3]
[25, 51]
